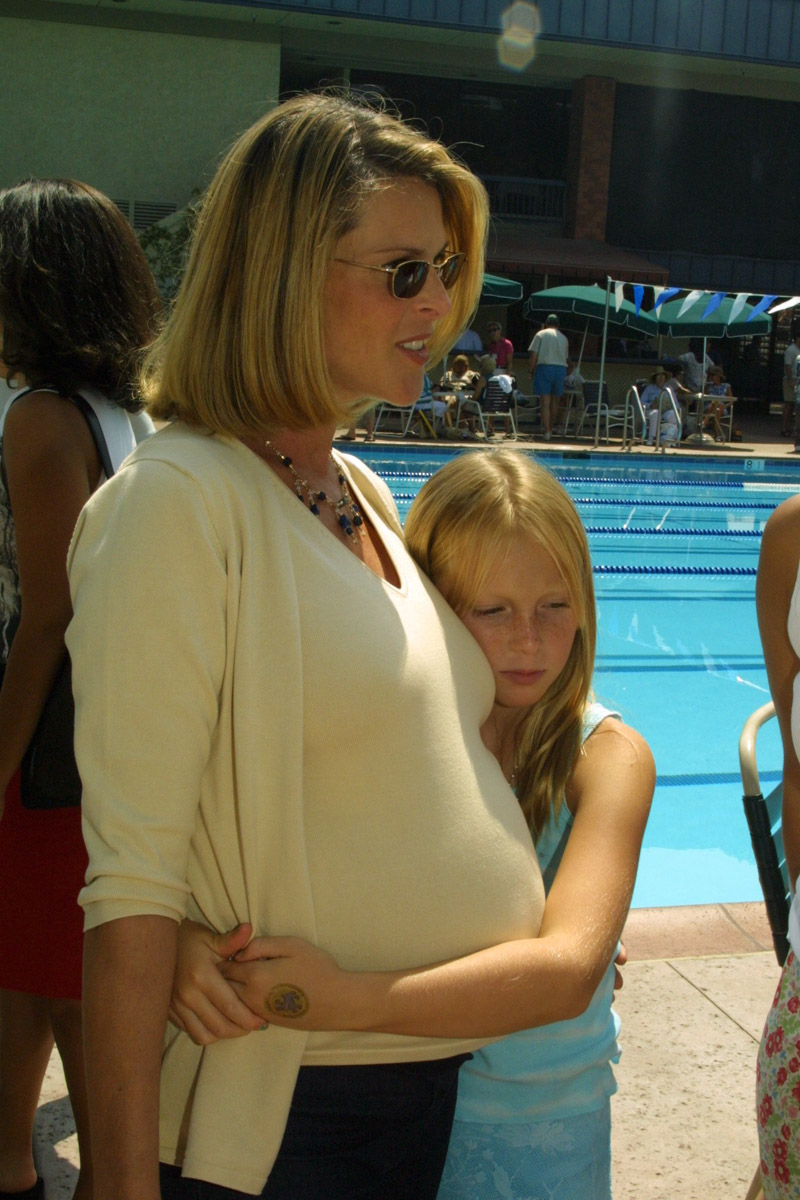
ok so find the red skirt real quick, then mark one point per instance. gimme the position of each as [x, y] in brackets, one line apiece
[42, 867]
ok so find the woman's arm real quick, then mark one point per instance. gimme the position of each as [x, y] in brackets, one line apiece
[203, 1003]
[149, 579]
[127, 973]
[508, 987]
[777, 572]
[51, 467]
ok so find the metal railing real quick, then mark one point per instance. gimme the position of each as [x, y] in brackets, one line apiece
[526, 199]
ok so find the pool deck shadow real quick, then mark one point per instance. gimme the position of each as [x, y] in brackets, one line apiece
[697, 987]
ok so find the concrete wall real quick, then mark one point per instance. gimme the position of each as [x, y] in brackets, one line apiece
[140, 115]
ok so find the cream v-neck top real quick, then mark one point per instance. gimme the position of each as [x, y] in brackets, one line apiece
[267, 731]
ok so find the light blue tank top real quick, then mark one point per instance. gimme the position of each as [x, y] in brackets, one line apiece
[559, 1070]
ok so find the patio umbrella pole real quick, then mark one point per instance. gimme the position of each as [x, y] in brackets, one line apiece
[602, 363]
[583, 346]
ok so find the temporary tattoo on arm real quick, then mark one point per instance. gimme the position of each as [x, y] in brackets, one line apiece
[287, 1000]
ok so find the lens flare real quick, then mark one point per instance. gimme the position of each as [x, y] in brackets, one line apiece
[516, 46]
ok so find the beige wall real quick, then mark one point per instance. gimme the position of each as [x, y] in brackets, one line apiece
[141, 115]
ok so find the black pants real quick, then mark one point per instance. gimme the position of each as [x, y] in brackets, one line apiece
[355, 1133]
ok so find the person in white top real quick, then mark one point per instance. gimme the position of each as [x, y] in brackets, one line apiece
[78, 303]
[695, 368]
[790, 357]
[778, 604]
[548, 364]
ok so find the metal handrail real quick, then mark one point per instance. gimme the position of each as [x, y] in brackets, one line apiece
[666, 393]
[634, 407]
[747, 748]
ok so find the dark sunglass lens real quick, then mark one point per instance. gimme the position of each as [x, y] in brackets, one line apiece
[409, 279]
[451, 270]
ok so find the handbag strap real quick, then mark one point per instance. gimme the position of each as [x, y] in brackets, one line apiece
[89, 416]
[96, 430]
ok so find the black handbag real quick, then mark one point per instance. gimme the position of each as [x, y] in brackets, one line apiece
[48, 773]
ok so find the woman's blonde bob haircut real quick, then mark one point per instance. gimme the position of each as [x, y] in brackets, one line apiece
[459, 529]
[243, 351]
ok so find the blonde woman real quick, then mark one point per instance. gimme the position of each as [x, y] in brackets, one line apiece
[504, 544]
[251, 645]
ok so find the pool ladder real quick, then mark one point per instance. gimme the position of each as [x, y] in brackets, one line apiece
[764, 817]
[634, 412]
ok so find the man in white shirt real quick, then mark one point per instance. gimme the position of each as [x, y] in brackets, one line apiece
[548, 363]
[695, 368]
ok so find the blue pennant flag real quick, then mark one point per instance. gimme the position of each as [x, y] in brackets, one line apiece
[663, 296]
[713, 304]
[638, 296]
[763, 303]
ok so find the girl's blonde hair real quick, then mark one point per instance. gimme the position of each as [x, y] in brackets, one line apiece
[459, 528]
[244, 351]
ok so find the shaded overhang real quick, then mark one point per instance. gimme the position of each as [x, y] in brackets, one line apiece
[517, 249]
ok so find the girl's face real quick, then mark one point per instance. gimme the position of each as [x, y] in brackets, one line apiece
[376, 345]
[524, 622]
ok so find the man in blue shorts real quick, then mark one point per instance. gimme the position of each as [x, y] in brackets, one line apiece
[548, 363]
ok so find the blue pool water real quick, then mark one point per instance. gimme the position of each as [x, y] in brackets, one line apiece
[675, 546]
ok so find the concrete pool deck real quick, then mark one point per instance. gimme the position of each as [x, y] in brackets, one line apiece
[761, 439]
[698, 984]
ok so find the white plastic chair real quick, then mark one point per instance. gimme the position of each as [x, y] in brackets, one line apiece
[470, 407]
[591, 398]
[498, 402]
[421, 409]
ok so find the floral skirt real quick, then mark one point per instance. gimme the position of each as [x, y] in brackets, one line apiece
[778, 1090]
[560, 1159]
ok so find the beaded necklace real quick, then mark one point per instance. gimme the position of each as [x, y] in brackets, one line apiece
[346, 510]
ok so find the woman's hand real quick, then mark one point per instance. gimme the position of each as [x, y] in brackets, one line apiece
[203, 1004]
[287, 981]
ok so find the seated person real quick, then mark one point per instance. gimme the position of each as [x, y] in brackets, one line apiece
[428, 405]
[649, 395]
[494, 392]
[368, 421]
[459, 378]
[679, 390]
[715, 410]
[573, 382]
[660, 381]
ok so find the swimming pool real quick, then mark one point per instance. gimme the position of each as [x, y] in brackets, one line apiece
[675, 546]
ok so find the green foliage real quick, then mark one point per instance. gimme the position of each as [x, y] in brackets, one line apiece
[166, 245]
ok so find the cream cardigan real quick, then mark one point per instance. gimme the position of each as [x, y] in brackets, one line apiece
[201, 589]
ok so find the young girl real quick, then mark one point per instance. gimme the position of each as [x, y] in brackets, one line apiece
[504, 543]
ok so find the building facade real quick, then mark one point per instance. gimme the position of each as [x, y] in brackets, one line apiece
[646, 139]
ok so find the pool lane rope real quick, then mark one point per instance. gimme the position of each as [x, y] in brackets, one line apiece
[641, 569]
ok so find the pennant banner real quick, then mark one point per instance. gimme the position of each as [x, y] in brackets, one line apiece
[713, 304]
[763, 303]
[785, 304]
[638, 296]
[738, 305]
[662, 294]
[618, 295]
[691, 299]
